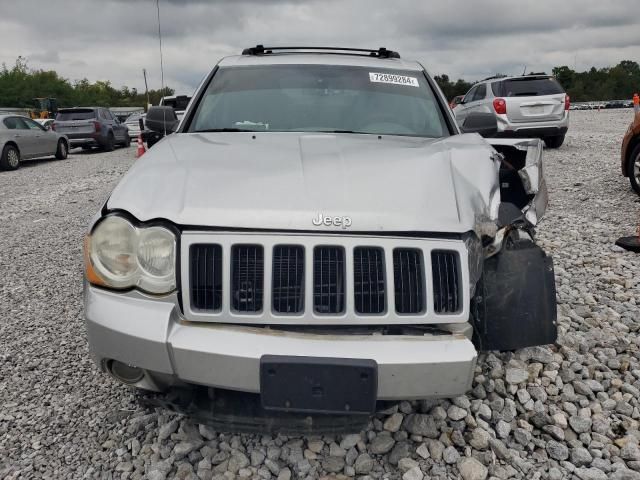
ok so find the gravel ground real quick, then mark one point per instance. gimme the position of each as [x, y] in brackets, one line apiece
[569, 411]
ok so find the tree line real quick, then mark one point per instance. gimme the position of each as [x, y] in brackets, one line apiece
[19, 85]
[609, 83]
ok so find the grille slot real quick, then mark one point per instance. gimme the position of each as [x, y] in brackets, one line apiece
[288, 279]
[446, 281]
[247, 278]
[328, 280]
[369, 280]
[206, 276]
[408, 267]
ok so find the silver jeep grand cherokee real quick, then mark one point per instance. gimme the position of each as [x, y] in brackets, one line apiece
[318, 235]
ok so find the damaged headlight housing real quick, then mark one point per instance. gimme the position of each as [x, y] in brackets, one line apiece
[120, 255]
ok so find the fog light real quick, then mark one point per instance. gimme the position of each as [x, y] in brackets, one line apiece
[125, 373]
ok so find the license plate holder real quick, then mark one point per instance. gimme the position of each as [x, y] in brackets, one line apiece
[318, 385]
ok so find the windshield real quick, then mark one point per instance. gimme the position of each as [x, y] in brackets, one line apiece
[78, 114]
[133, 117]
[320, 98]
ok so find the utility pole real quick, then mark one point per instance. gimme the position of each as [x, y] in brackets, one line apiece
[146, 88]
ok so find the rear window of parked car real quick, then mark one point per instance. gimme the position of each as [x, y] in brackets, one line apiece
[76, 114]
[527, 87]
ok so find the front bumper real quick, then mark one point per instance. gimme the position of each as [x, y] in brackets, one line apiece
[151, 334]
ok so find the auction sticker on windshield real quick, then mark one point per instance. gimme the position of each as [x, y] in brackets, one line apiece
[392, 78]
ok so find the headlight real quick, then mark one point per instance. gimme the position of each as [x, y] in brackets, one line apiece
[120, 255]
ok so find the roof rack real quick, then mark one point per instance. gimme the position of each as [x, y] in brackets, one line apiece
[493, 77]
[379, 53]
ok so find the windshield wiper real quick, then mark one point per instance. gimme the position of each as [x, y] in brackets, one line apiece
[206, 130]
[344, 131]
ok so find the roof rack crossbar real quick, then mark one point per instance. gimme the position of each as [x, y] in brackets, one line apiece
[380, 52]
[494, 77]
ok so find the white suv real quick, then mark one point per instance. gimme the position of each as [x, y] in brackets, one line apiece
[528, 106]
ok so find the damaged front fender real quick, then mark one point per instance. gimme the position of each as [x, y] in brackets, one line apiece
[522, 180]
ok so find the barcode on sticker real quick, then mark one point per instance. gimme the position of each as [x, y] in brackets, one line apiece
[393, 78]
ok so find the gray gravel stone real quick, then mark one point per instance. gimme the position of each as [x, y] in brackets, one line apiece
[450, 455]
[333, 464]
[381, 444]
[580, 457]
[393, 423]
[516, 375]
[414, 474]
[557, 450]
[363, 464]
[420, 424]
[472, 469]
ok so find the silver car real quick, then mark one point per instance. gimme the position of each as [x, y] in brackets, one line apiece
[525, 106]
[23, 139]
[318, 235]
[133, 124]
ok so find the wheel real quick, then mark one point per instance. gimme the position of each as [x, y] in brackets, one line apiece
[554, 142]
[10, 159]
[108, 146]
[633, 169]
[62, 151]
[127, 142]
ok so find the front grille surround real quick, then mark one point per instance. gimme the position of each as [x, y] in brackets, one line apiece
[269, 315]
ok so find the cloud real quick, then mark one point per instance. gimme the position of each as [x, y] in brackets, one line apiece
[115, 39]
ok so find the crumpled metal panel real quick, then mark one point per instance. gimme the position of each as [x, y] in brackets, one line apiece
[532, 175]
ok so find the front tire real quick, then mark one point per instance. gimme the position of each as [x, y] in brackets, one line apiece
[62, 151]
[10, 159]
[554, 142]
[127, 142]
[633, 169]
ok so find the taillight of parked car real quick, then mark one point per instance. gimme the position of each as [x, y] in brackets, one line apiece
[500, 106]
[567, 102]
[96, 126]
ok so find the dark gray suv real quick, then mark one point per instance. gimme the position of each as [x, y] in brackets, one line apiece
[91, 127]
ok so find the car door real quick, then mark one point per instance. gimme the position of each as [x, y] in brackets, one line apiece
[22, 135]
[46, 142]
[114, 124]
[476, 101]
[121, 128]
[461, 111]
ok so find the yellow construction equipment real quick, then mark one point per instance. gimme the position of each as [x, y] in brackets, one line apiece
[44, 108]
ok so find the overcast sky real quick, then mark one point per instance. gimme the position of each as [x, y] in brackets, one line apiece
[114, 39]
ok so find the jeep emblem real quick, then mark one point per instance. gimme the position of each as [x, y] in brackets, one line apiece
[342, 222]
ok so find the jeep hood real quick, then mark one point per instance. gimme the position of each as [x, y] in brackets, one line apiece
[282, 181]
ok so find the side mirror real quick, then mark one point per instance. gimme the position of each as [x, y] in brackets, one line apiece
[162, 119]
[480, 122]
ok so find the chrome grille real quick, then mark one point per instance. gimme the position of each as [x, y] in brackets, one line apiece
[408, 274]
[446, 281]
[206, 276]
[368, 280]
[328, 280]
[247, 278]
[287, 284]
